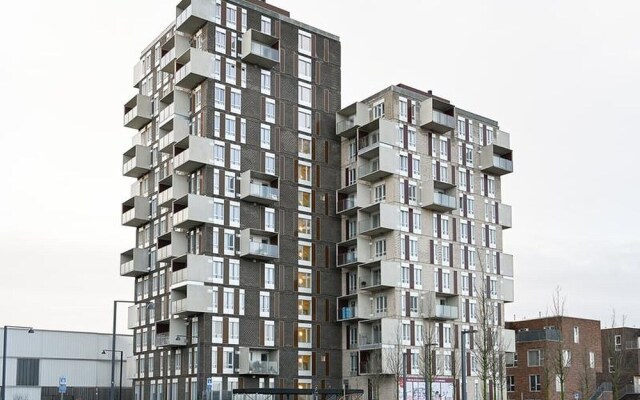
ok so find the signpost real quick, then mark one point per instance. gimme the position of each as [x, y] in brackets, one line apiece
[209, 386]
[62, 386]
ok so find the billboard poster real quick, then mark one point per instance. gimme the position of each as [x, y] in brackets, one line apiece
[441, 389]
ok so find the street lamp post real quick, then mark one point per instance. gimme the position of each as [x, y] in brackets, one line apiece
[121, 357]
[112, 392]
[4, 355]
[463, 361]
[405, 364]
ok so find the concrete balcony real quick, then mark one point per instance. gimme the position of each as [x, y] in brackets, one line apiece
[375, 169]
[178, 109]
[259, 245]
[136, 161]
[503, 217]
[377, 361]
[502, 141]
[191, 299]
[379, 219]
[437, 199]
[171, 333]
[192, 210]
[350, 308]
[139, 73]
[259, 187]
[350, 118]
[171, 245]
[172, 49]
[352, 255]
[134, 262]
[437, 115]
[192, 14]
[260, 49]
[179, 189]
[445, 312]
[258, 361]
[496, 160]
[138, 112]
[381, 276]
[379, 132]
[193, 153]
[193, 67]
[505, 267]
[348, 202]
[136, 315]
[506, 290]
[191, 268]
[135, 211]
[179, 133]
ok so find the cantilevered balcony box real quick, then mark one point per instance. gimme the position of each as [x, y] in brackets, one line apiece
[137, 112]
[506, 290]
[505, 265]
[378, 219]
[349, 202]
[189, 300]
[260, 49]
[171, 333]
[257, 244]
[497, 158]
[259, 187]
[136, 211]
[136, 315]
[134, 262]
[139, 72]
[351, 308]
[350, 118]
[437, 115]
[374, 134]
[171, 245]
[179, 108]
[503, 216]
[192, 153]
[171, 50]
[178, 189]
[444, 312]
[192, 210]
[192, 14]
[353, 254]
[385, 164]
[191, 268]
[193, 67]
[136, 161]
[258, 361]
[378, 276]
[438, 199]
[178, 133]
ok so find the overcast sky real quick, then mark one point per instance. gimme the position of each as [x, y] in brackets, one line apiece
[562, 77]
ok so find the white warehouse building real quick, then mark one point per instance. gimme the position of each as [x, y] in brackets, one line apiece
[36, 360]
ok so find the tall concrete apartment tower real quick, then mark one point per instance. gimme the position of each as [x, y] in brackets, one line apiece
[236, 164]
[421, 251]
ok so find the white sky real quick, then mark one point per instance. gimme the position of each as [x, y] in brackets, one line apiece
[562, 77]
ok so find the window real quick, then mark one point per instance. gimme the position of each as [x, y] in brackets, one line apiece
[218, 211]
[404, 163]
[232, 16]
[231, 72]
[511, 359]
[236, 101]
[270, 110]
[413, 192]
[304, 200]
[617, 340]
[304, 335]
[404, 274]
[534, 358]
[217, 68]
[230, 185]
[380, 247]
[566, 358]
[416, 167]
[576, 334]
[230, 127]
[304, 94]
[304, 120]
[304, 146]
[511, 383]
[265, 136]
[235, 157]
[269, 276]
[269, 219]
[304, 253]
[28, 372]
[592, 359]
[221, 40]
[534, 383]
[218, 154]
[265, 82]
[304, 68]
[234, 330]
[402, 109]
[304, 308]
[304, 280]
[304, 43]
[265, 304]
[378, 110]
[412, 139]
[265, 25]
[234, 272]
[379, 193]
[381, 304]
[228, 301]
[219, 93]
[304, 173]
[304, 226]
[612, 366]
[229, 242]
[269, 333]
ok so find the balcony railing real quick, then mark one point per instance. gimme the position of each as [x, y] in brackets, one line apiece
[263, 367]
[444, 119]
[166, 339]
[347, 313]
[263, 249]
[538, 334]
[503, 163]
[347, 258]
[265, 51]
[446, 312]
[444, 200]
[265, 192]
[345, 125]
[346, 204]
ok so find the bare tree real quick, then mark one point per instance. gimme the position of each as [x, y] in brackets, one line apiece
[428, 367]
[376, 375]
[586, 372]
[395, 357]
[557, 355]
[618, 360]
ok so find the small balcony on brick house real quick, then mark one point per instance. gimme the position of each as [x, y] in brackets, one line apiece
[258, 361]
[503, 216]
[191, 15]
[192, 210]
[258, 244]
[178, 189]
[136, 211]
[171, 333]
[179, 108]
[259, 187]
[497, 157]
[191, 268]
[134, 262]
[260, 49]
[350, 118]
[437, 115]
[190, 299]
[138, 112]
[136, 161]
[171, 245]
[171, 50]
[194, 67]
[178, 133]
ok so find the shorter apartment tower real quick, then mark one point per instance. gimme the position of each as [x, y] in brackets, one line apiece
[421, 242]
[620, 362]
[556, 358]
